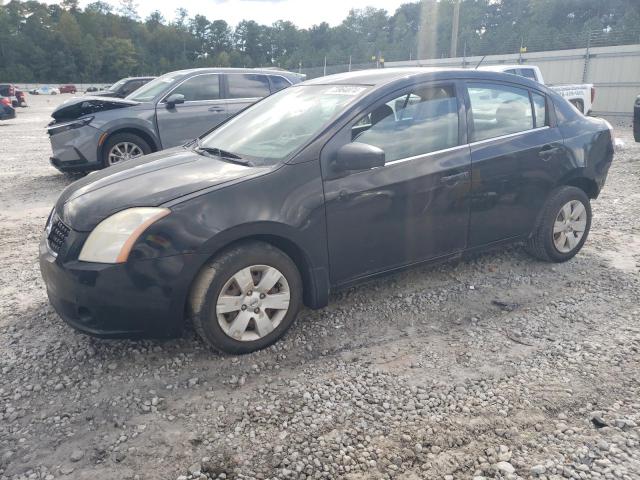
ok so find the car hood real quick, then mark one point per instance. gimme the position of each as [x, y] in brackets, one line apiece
[79, 106]
[147, 181]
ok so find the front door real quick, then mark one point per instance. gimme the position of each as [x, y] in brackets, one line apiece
[203, 109]
[515, 156]
[414, 208]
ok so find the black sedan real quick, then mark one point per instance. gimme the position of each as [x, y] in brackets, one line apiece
[317, 187]
[122, 87]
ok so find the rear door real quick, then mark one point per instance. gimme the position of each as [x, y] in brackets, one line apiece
[517, 159]
[414, 208]
[244, 89]
[203, 109]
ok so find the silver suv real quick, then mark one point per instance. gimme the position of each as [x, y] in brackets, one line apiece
[89, 133]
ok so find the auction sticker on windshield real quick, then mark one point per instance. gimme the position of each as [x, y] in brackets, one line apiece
[345, 90]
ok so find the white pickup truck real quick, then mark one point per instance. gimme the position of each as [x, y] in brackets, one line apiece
[580, 95]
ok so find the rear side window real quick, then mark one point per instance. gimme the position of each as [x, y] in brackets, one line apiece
[499, 110]
[278, 83]
[200, 88]
[420, 121]
[540, 107]
[248, 86]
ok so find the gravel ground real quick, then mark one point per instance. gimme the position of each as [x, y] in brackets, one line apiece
[497, 367]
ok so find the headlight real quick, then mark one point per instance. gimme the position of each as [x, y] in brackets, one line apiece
[112, 240]
[63, 127]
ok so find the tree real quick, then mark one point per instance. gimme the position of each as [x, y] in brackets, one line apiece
[129, 9]
[119, 58]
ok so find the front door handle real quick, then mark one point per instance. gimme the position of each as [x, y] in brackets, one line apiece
[547, 152]
[452, 180]
[216, 109]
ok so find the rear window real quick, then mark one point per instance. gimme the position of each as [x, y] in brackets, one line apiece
[248, 85]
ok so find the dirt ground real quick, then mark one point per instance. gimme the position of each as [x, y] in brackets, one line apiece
[497, 367]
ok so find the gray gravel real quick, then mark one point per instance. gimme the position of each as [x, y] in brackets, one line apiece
[496, 367]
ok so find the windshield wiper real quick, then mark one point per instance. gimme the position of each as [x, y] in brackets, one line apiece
[218, 152]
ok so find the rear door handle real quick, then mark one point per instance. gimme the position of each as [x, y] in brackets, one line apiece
[547, 152]
[216, 109]
[451, 180]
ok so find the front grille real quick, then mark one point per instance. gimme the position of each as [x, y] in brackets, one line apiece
[58, 233]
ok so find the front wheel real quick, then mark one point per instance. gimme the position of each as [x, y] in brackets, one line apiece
[246, 298]
[122, 147]
[563, 226]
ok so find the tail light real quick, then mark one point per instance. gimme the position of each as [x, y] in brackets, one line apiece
[593, 94]
[5, 101]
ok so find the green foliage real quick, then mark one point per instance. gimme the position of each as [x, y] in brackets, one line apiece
[64, 43]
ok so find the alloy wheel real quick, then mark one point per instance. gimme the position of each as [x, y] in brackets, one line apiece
[253, 302]
[123, 151]
[570, 225]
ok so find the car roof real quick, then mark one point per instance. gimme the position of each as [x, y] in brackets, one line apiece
[500, 68]
[385, 76]
[263, 71]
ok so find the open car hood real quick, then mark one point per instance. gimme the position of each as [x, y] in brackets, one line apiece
[79, 106]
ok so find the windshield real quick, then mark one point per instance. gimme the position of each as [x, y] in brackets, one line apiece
[274, 128]
[117, 85]
[155, 87]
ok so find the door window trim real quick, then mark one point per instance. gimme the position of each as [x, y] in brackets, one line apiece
[509, 135]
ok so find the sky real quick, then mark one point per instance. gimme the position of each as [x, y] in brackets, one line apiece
[303, 13]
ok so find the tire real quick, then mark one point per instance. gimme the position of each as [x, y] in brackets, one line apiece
[216, 284]
[141, 148]
[544, 242]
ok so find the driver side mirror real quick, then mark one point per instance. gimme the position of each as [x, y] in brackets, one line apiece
[174, 99]
[359, 156]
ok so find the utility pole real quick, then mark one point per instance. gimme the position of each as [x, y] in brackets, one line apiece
[324, 72]
[454, 29]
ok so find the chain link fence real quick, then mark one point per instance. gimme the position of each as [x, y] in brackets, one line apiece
[518, 45]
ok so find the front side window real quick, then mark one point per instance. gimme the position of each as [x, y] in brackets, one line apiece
[418, 122]
[278, 83]
[274, 128]
[130, 87]
[155, 87]
[117, 86]
[499, 110]
[200, 88]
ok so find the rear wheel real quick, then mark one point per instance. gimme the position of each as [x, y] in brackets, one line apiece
[246, 298]
[122, 147]
[563, 226]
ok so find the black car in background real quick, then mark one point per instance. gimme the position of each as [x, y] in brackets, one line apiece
[7, 111]
[636, 119]
[123, 87]
[317, 187]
